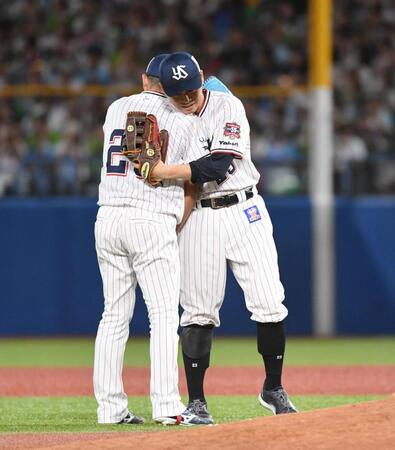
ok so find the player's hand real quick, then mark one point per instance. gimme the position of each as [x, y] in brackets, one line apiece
[158, 172]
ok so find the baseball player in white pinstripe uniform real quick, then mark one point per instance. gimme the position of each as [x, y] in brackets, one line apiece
[136, 242]
[229, 223]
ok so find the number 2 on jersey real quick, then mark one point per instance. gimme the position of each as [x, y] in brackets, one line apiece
[115, 164]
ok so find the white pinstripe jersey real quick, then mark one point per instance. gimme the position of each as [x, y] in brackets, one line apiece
[223, 128]
[119, 185]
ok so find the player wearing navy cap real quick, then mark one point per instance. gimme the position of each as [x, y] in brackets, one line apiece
[129, 208]
[229, 222]
[185, 76]
[152, 69]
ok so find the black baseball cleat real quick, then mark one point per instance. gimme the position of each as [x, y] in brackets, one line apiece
[186, 419]
[199, 408]
[131, 419]
[276, 401]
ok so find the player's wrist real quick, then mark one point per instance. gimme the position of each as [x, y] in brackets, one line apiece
[176, 172]
[159, 171]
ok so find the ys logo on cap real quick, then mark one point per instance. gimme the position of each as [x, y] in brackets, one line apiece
[179, 72]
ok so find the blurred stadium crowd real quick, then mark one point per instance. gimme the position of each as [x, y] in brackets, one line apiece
[53, 145]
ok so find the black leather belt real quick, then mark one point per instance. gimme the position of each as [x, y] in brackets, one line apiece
[226, 200]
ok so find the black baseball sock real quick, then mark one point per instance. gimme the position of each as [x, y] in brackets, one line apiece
[271, 345]
[195, 370]
[196, 349]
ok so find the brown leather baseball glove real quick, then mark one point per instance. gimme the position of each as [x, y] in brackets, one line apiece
[144, 144]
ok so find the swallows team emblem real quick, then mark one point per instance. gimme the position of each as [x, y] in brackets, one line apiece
[179, 72]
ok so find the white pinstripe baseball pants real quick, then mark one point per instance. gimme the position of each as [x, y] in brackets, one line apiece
[209, 239]
[136, 246]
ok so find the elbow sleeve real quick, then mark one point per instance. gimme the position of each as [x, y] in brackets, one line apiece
[210, 168]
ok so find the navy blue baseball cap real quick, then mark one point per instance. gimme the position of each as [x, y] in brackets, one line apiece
[152, 69]
[179, 72]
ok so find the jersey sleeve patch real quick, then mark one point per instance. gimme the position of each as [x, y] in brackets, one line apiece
[232, 130]
[252, 214]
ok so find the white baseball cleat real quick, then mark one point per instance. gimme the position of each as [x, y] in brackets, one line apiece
[186, 419]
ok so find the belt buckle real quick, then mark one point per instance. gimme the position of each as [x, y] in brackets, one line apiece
[214, 203]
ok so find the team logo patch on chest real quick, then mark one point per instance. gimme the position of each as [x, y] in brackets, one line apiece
[252, 214]
[232, 130]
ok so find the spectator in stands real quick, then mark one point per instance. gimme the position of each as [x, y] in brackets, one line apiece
[280, 166]
[71, 165]
[39, 162]
[350, 156]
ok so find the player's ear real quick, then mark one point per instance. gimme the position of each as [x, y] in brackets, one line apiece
[161, 88]
[145, 81]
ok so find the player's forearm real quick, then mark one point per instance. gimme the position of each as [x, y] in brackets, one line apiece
[202, 170]
[192, 192]
[175, 172]
[189, 201]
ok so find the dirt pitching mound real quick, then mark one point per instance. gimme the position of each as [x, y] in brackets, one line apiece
[337, 380]
[364, 426]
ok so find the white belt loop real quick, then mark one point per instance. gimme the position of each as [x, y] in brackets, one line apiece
[242, 196]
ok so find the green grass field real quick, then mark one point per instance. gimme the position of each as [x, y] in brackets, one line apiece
[78, 352]
[78, 414]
